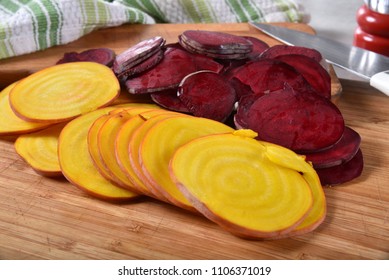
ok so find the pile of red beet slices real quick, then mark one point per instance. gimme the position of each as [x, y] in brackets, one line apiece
[281, 92]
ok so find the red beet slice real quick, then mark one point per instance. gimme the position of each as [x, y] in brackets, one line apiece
[207, 94]
[103, 56]
[143, 66]
[311, 70]
[223, 55]
[342, 173]
[259, 46]
[218, 42]
[175, 65]
[241, 89]
[169, 100]
[202, 62]
[137, 53]
[244, 105]
[341, 152]
[300, 121]
[278, 50]
[267, 75]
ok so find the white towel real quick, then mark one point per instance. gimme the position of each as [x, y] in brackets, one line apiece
[30, 25]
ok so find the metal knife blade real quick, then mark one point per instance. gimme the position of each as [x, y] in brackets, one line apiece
[364, 63]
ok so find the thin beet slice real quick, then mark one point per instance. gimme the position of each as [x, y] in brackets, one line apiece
[311, 70]
[207, 94]
[300, 121]
[259, 46]
[220, 54]
[241, 89]
[169, 100]
[219, 41]
[267, 75]
[69, 57]
[143, 66]
[244, 105]
[204, 62]
[342, 173]
[341, 152]
[201, 61]
[175, 65]
[103, 56]
[137, 53]
[278, 50]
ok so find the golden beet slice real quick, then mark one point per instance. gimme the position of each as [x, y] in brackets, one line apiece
[122, 153]
[148, 119]
[106, 146]
[93, 138]
[230, 179]
[64, 91]
[93, 147]
[11, 124]
[285, 157]
[39, 150]
[77, 165]
[159, 144]
[319, 209]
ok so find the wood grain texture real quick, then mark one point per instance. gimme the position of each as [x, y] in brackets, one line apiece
[44, 218]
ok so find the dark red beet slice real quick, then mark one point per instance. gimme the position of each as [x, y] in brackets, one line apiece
[175, 65]
[300, 121]
[215, 54]
[69, 57]
[341, 152]
[202, 62]
[311, 70]
[218, 42]
[342, 173]
[207, 94]
[266, 75]
[137, 53]
[259, 46]
[278, 50]
[244, 105]
[169, 100]
[103, 56]
[241, 89]
[143, 66]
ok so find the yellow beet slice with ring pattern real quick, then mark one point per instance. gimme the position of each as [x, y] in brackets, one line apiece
[40, 150]
[147, 120]
[159, 144]
[11, 124]
[121, 142]
[287, 158]
[229, 179]
[122, 153]
[64, 91]
[106, 138]
[93, 146]
[93, 139]
[319, 210]
[77, 165]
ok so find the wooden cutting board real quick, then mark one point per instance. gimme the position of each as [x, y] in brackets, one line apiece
[43, 218]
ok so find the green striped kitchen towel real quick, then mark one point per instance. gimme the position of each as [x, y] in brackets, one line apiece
[30, 25]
